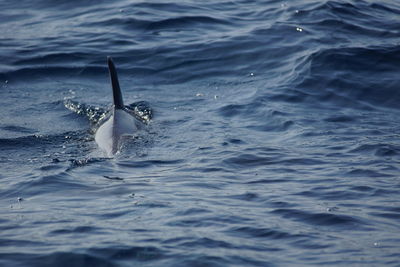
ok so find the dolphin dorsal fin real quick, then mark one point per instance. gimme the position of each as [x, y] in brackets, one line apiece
[117, 96]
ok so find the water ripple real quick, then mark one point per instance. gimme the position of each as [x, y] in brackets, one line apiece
[270, 138]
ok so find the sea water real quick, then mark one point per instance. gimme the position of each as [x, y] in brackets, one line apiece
[274, 138]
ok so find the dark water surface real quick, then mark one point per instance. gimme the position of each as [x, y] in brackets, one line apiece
[274, 139]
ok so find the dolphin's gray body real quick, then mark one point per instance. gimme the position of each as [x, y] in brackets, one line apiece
[121, 123]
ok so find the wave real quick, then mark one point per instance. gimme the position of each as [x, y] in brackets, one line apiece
[352, 76]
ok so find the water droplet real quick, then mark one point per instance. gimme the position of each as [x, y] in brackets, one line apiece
[251, 74]
[331, 209]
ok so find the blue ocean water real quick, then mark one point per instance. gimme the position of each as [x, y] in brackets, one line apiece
[274, 138]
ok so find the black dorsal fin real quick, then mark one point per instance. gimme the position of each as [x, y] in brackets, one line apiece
[117, 96]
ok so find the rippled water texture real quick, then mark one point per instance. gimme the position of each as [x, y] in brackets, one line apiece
[274, 139]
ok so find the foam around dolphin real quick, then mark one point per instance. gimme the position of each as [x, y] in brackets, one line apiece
[120, 124]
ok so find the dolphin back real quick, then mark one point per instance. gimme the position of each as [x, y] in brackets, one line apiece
[117, 95]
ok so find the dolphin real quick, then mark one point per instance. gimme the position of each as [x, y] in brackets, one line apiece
[120, 124]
